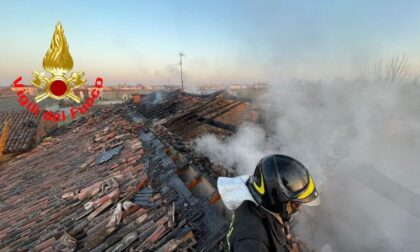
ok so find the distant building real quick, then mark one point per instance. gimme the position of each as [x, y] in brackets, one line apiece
[12, 91]
[210, 88]
[29, 90]
[236, 86]
[257, 85]
[161, 88]
[6, 92]
[120, 92]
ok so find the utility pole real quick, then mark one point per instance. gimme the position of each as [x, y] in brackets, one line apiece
[181, 54]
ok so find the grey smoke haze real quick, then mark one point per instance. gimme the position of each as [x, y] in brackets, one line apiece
[157, 98]
[360, 139]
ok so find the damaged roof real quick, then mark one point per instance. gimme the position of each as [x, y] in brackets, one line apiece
[189, 115]
[108, 183]
[22, 130]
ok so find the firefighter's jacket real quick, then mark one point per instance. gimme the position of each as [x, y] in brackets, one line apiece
[254, 229]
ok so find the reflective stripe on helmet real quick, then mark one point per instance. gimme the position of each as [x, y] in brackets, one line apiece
[261, 187]
[309, 190]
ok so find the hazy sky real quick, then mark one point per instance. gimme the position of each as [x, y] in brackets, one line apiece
[225, 41]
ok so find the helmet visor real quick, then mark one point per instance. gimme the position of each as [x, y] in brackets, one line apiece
[309, 196]
[314, 202]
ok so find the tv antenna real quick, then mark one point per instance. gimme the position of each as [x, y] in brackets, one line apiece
[181, 54]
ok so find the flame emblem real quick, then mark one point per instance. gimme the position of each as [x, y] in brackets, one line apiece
[58, 62]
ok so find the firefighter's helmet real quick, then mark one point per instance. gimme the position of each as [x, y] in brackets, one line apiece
[279, 180]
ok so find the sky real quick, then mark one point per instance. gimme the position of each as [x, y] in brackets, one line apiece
[224, 41]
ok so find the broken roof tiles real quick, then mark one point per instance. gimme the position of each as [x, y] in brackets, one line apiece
[100, 187]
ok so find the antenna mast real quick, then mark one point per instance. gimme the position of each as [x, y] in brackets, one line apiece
[181, 54]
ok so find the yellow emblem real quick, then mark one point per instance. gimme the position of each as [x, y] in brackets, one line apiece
[58, 62]
[260, 188]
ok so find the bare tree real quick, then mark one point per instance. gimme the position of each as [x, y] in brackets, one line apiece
[394, 70]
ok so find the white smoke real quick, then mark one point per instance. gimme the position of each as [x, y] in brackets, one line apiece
[241, 152]
[360, 140]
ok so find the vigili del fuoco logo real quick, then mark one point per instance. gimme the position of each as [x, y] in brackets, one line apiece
[58, 62]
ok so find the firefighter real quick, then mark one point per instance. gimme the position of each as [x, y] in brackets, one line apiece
[264, 202]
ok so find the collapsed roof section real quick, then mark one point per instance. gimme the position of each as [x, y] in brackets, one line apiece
[191, 115]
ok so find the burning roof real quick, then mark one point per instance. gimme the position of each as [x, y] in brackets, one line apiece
[118, 180]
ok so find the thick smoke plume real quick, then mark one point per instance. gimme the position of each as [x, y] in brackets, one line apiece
[360, 140]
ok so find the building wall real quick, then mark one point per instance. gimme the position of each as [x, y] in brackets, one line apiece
[32, 91]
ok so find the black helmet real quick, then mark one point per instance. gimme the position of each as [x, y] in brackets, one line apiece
[280, 179]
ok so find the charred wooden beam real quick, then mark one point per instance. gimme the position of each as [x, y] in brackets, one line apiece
[218, 124]
[190, 113]
[221, 112]
[194, 119]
